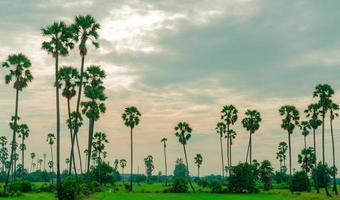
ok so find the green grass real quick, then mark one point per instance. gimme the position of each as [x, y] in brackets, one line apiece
[33, 196]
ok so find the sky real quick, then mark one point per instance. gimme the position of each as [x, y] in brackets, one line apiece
[180, 61]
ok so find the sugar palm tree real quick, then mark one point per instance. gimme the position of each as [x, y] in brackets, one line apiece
[281, 154]
[131, 119]
[94, 92]
[44, 156]
[85, 30]
[23, 133]
[122, 163]
[183, 133]
[32, 158]
[59, 43]
[221, 130]
[164, 140]
[231, 134]
[50, 140]
[290, 120]
[68, 79]
[198, 161]
[229, 116]
[324, 92]
[251, 122]
[307, 160]
[333, 108]
[305, 127]
[99, 141]
[19, 73]
[40, 161]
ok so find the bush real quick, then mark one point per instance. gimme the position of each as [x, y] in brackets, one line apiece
[71, 189]
[178, 186]
[47, 187]
[300, 181]
[20, 186]
[242, 179]
[216, 187]
[281, 177]
[322, 175]
[203, 183]
[104, 173]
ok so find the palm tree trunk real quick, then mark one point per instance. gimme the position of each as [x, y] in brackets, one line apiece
[72, 159]
[51, 157]
[314, 145]
[222, 157]
[323, 146]
[230, 154]
[123, 174]
[23, 153]
[305, 142]
[198, 171]
[79, 155]
[166, 166]
[333, 149]
[78, 106]
[14, 138]
[131, 154]
[250, 149]
[58, 128]
[188, 174]
[89, 147]
[290, 163]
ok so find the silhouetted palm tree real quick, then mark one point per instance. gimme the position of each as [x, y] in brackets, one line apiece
[94, 91]
[19, 72]
[85, 30]
[305, 127]
[333, 108]
[50, 140]
[183, 132]
[198, 161]
[229, 116]
[324, 92]
[23, 133]
[164, 140]
[281, 154]
[131, 119]
[221, 130]
[290, 119]
[59, 45]
[122, 163]
[251, 122]
[32, 158]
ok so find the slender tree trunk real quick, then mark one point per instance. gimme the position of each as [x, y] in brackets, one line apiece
[51, 157]
[222, 157]
[250, 149]
[79, 155]
[228, 149]
[58, 128]
[198, 171]
[13, 139]
[123, 174]
[333, 151]
[290, 163]
[188, 174]
[78, 108]
[323, 147]
[72, 158]
[230, 153]
[131, 169]
[23, 153]
[89, 147]
[314, 145]
[166, 166]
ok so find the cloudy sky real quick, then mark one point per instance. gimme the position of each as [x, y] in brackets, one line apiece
[180, 61]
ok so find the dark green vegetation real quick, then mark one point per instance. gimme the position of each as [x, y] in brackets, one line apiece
[100, 179]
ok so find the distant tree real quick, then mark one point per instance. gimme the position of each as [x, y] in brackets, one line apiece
[198, 161]
[334, 109]
[23, 133]
[183, 133]
[32, 158]
[306, 160]
[281, 155]
[115, 164]
[149, 167]
[164, 140]
[99, 141]
[266, 173]
[122, 165]
[242, 179]
[221, 130]
[305, 127]
[50, 140]
[180, 169]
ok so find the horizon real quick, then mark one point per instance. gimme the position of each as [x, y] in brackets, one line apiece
[180, 61]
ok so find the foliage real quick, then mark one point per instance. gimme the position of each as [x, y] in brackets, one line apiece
[104, 173]
[179, 185]
[307, 159]
[242, 179]
[20, 186]
[180, 169]
[71, 189]
[300, 181]
[322, 173]
[149, 167]
[266, 173]
[280, 177]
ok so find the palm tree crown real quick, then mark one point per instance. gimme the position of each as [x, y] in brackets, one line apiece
[290, 118]
[131, 116]
[252, 120]
[183, 132]
[229, 114]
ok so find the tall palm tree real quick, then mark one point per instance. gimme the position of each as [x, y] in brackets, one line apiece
[305, 127]
[313, 112]
[231, 134]
[131, 119]
[290, 119]
[68, 78]
[19, 72]
[59, 44]
[44, 155]
[333, 108]
[229, 116]
[94, 92]
[122, 163]
[183, 132]
[32, 158]
[251, 122]
[198, 161]
[23, 133]
[324, 92]
[281, 154]
[67, 162]
[50, 140]
[85, 30]
[164, 140]
[221, 130]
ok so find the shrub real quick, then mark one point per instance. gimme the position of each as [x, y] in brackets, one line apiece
[300, 181]
[266, 173]
[216, 187]
[322, 175]
[281, 177]
[20, 186]
[203, 183]
[104, 173]
[178, 186]
[71, 189]
[242, 179]
[47, 187]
